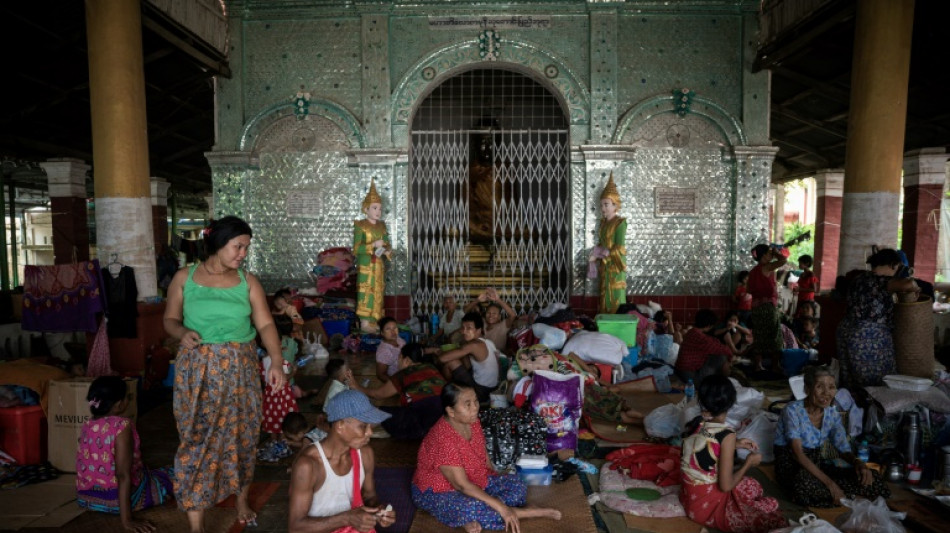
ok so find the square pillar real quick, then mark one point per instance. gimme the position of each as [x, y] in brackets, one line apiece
[66, 178]
[159, 189]
[829, 190]
[924, 177]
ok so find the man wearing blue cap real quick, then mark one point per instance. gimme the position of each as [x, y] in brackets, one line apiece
[327, 494]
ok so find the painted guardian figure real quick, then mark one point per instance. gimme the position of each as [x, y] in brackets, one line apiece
[611, 251]
[371, 245]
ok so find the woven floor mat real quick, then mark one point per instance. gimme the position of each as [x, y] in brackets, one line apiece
[392, 452]
[623, 433]
[165, 518]
[568, 497]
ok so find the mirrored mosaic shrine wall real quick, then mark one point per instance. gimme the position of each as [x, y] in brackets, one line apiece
[323, 97]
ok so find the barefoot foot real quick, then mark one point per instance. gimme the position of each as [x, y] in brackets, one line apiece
[472, 527]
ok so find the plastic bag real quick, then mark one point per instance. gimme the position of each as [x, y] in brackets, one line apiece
[558, 399]
[549, 336]
[664, 421]
[748, 401]
[761, 430]
[866, 516]
[809, 523]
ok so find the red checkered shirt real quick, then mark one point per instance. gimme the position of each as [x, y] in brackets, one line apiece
[696, 347]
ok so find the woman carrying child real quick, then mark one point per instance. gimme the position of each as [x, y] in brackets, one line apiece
[110, 476]
[712, 494]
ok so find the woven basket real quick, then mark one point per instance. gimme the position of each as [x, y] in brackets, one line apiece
[913, 338]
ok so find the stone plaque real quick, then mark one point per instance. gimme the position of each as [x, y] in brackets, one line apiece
[304, 204]
[675, 201]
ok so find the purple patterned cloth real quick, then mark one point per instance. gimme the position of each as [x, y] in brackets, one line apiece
[62, 298]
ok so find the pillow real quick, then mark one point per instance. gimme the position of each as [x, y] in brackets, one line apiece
[596, 347]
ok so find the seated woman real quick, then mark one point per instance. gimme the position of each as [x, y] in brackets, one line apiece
[713, 493]
[418, 385]
[800, 467]
[454, 481]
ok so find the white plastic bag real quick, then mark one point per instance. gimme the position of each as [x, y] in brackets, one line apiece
[809, 523]
[866, 516]
[664, 421]
[550, 336]
[761, 430]
[748, 401]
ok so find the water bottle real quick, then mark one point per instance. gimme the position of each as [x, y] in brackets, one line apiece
[911, 438]
[435, 322]
[651, 345]
[689, 391]
[864, 453]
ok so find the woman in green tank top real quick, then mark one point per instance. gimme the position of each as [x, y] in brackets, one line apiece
[216, 310]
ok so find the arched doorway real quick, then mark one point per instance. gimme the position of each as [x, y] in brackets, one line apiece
[489, 192]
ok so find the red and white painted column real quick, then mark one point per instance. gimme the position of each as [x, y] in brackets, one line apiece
[925, 171]
[829, 188]
[66, 178]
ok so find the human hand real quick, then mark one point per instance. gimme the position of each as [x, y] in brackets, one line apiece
[190, 340]
[348, 378]
[511, 519]
[362, 518]
[748, 444]
[276, 377]
[483, 297]
[386, 517]
[836, 493]
[864, 473]
[754, 459]
[378, 243]
[138, 526]
[492, 294]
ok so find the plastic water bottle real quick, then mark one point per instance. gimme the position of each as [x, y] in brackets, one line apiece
[689, 391]
[651, 345]
[864, 454]
[435, 322]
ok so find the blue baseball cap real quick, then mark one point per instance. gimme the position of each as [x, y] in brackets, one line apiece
[354, 404]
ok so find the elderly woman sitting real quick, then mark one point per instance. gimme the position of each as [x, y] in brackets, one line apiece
[807, 426]
[454, 481]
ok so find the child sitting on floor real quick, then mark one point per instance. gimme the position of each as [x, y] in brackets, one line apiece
[387, 353]
[110, 476]
[711, 493]
[734, 334]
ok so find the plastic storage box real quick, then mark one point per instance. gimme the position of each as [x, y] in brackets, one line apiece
[535, 476]
[624, 327]
[332, 327]
[23, 433]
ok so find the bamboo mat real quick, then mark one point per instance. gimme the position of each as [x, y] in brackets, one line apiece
[568, 497]
[627, 433]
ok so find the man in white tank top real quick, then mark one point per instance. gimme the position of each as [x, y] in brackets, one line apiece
[476, 363]
[322, 484]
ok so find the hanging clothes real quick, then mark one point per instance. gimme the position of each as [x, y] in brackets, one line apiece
[62, 298]
[121, 293]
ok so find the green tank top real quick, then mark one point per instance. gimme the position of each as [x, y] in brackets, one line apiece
[218, 315]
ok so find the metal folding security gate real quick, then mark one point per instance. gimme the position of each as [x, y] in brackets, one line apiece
[524, 251]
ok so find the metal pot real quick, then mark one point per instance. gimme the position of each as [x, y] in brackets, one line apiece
[893, 462]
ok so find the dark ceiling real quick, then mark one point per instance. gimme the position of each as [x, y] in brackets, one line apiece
[46, 111]
[811, 86]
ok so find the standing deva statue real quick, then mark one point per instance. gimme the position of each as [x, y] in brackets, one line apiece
[610, 252]
[370, 245]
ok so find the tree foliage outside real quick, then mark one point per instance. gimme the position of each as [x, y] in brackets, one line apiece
[805, 247]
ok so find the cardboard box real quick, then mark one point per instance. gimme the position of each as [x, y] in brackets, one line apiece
[68, 411]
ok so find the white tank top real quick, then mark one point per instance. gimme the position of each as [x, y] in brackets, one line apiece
[336, 494]
[486, 372]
